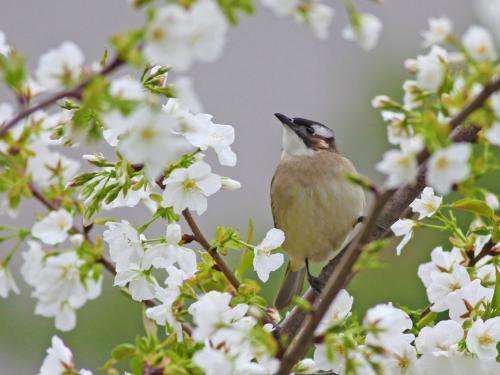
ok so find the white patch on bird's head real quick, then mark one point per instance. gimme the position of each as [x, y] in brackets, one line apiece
[294, 145]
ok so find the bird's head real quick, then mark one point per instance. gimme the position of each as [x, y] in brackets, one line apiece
[305, 137]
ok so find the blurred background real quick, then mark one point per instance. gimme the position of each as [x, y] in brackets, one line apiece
[270, 65]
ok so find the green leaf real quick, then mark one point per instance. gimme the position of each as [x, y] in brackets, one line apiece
[475, 206]
[123, 351]
[427, 320]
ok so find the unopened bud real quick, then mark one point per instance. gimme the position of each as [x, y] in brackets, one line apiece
[230, 184]
[411, 65]
[77, 239]
[93, 158]
[381, 101]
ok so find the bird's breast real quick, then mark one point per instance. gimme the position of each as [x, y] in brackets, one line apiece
[316, 207]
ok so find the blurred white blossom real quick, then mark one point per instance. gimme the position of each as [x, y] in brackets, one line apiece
[7, 282]
[178, 36]
[54, 227]
[479, 43]
[449, 166]
[366, 33]
[438, 31]
[60, 67]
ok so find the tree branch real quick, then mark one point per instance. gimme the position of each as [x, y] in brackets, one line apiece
[71, 93]
[200, 238]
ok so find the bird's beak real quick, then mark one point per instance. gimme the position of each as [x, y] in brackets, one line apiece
[285, 120]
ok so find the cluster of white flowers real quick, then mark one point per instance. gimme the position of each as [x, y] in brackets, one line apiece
[226, 332]
[364, 29]
[58, 283]
[179, 36]
[449, 165]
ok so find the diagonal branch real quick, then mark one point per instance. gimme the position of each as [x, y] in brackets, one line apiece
[198, 237]
[75, 92]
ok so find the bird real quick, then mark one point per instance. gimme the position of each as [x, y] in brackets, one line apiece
[312, 201]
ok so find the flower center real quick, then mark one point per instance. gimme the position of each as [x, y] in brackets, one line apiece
[403, 362]
[404, 162]
[481, 49]
[61, 224]
[486, 340]
[189, 184]
[158, 34]
[429, 206]
[442, 163]
[147, 134]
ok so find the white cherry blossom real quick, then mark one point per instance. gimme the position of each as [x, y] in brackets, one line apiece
[178, 36]
[338, 310]
[125, 247]
[438, 31]
[58, 360]
[149, 139]
[190, 187]
[448, 166]
[53, 228]
[427, 204]
[483, 337]
[443, 284]
[127, 88]
[403, 227]
[281, 7]
[366, 34]
[318, 18]
[4, 47]
[431, 69]
[60, 67]
[387, 323]
[141, 285]
[163, 313]
[479, 43]
[401, 166]
[442, 261]
[264, 261]
[7, 282]
[492, 135]
[472, 296]
[440, 340]
[164, 255]
[211, 310]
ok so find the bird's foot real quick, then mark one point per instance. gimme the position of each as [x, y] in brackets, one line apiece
[315, 282]
[362, 219]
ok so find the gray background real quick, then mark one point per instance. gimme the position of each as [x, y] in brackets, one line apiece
[270, 65]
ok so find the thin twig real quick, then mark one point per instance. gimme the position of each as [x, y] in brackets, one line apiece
[487, 249]
[200, 238]
[75, 92]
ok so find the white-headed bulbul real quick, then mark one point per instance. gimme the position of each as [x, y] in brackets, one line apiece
[312, 201]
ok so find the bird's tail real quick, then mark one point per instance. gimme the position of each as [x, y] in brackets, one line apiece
[292, 285]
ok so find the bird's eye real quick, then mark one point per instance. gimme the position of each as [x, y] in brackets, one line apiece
[310, 130]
